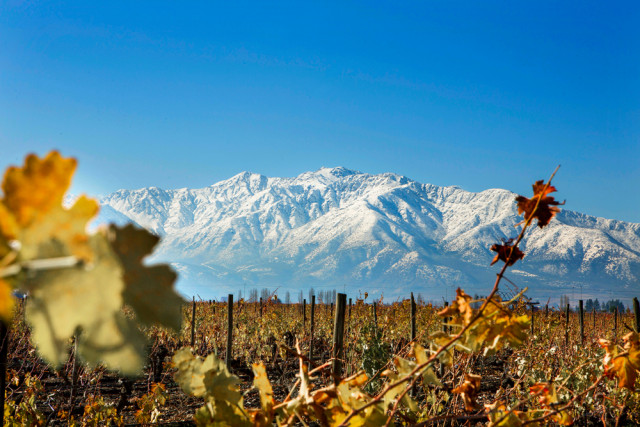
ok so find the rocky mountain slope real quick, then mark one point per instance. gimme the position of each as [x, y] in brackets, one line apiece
[377, 233]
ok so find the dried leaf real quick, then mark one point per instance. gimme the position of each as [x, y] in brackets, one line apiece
[546, 209]
[459, 309]
[469, 391]
[625, 365]
[261, 382]
[496, 328]
[507, 252]
[500, 416]
[548, 399]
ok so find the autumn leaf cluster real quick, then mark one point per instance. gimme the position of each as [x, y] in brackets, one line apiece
[78, 283]
[540, 206]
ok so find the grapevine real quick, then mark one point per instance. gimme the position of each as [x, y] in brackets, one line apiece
[91, 299]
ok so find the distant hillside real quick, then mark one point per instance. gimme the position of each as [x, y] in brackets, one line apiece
[379, 233]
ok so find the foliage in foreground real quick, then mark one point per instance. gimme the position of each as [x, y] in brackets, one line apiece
[79, 284]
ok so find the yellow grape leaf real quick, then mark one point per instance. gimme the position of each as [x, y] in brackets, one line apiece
[204, 415]
[261, 382]
[149, 289]
[8, 230]
[428, 376]
[610, 352]
[346, 396]
[221, 384]
[508, 328]
[350, 397]
[87, 300]
[63, 300]
[404, 368]
[548, 398]
[211, 378]
[32, 211]
[7, 302]
[439, 339]
[460, 308]
[190, 371]
[61, 233]
[359, 380]
[627, 366]
[228, 414]
[625, 371]
[35, 189]
[624, 366]
[117, 343]
[500, 416]
[632, 346]
[496, 328]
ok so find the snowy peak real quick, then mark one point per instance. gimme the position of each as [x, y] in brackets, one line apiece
[251, 182]
[326, 175]
[336, 225]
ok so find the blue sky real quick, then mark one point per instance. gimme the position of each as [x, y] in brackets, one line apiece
[475, 94]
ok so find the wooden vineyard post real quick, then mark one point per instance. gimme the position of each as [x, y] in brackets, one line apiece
[311, 327]
[566, 333]
[375, 318]
[260, 307]
[636, 312]
[445, 330]
[229, 329]
[338, 336]
[413, 318]
[546, 311]
[304, 314]
[413, 331]
[594, 320]
[74, 371]
[332, 309]
[581, 323]
[615, 322]
[193, 323]
[349, 324]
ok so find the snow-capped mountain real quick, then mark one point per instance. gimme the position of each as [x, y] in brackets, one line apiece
[377, 233]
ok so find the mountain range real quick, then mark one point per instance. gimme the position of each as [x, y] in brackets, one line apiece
[336, 228]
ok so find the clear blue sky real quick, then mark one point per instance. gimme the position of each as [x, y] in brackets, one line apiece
[184, 94]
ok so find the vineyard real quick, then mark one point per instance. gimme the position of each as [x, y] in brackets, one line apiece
[554, 352]
[101, 338]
